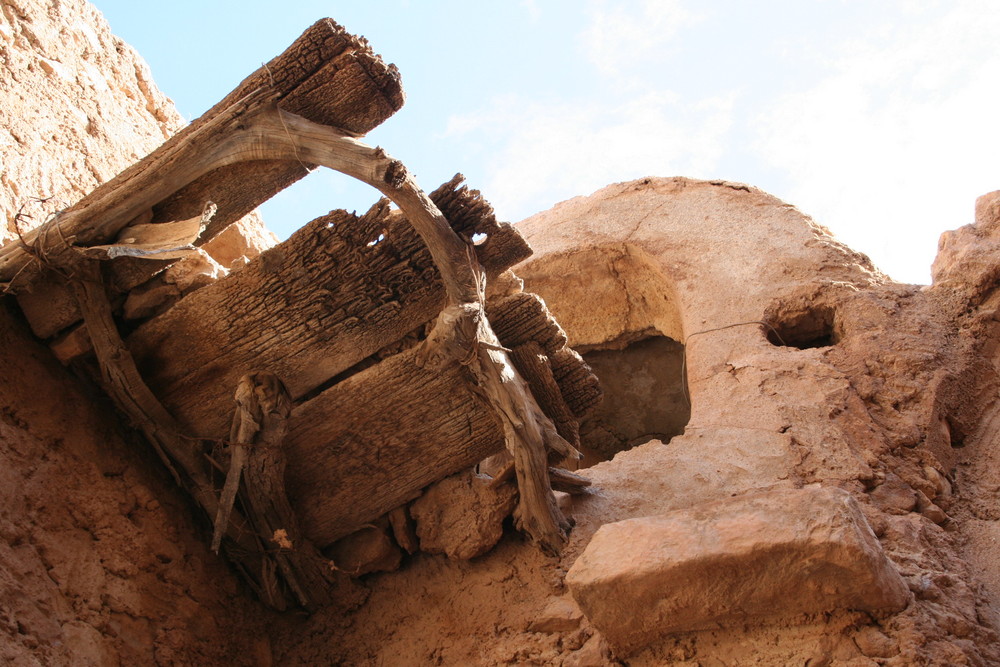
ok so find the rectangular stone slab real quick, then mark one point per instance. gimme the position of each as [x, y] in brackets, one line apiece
[748, 559]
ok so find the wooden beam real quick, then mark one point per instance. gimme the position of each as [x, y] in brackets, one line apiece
[256, 128]
[373, 441]
[183, 456]
[313, 307]
[327, 76]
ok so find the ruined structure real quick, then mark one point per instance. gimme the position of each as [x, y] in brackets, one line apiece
[338, 321]
[791, 463]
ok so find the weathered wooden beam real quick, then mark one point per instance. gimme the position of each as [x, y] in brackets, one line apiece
[462, 333]
[534, 365]
[374, 440]
[311, 308]
[255, 128]
[580, 388]
[320, 304]
[327, 76]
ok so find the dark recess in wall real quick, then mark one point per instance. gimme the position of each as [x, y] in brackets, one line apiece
[644, 397]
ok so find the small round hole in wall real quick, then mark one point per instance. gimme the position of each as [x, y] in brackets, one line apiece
[802, 328]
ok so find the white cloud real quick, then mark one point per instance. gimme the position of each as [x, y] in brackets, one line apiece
[895, 143]
[549, 152]
[534, 12]
[618, 36]
[628, 126]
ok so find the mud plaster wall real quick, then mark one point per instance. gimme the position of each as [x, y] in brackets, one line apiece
[79, 105]
[881, 413]
[866, 405]
[101, 560]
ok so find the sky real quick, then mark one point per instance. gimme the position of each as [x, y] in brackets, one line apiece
[878, 118]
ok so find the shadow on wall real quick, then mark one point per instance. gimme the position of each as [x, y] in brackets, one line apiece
[644, 396]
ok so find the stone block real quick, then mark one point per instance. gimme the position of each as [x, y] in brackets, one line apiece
[559, 615]
[240, 242]
[462, 515]
[749, 559]
[370, 549]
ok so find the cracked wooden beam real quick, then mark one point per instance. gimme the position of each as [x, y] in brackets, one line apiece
[329, 300]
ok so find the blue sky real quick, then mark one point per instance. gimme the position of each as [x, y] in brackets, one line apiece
[878, 119]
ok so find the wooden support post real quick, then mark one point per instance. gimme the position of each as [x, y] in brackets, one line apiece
[126, 387]
[182, 455]
[463, 333]
[259, 425]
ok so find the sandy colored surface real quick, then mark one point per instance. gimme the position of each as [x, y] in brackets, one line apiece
[74, 95]
[885, 391]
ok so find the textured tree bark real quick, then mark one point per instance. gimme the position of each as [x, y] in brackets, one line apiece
[259, 425]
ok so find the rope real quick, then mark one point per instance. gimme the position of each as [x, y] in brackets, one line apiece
[37, 250]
